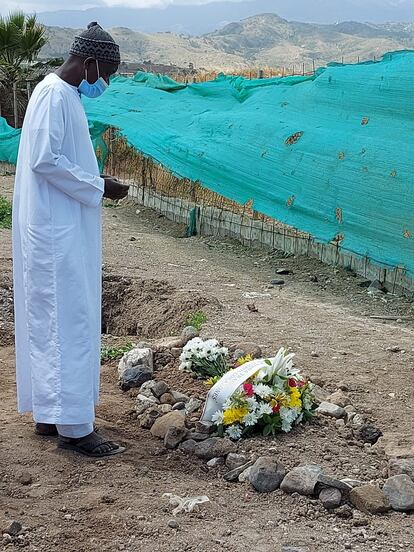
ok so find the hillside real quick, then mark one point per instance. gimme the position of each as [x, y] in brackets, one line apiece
[261, 40]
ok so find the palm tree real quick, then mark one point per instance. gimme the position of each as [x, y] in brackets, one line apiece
[21, 39]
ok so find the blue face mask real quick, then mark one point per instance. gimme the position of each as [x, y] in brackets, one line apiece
[93, 90]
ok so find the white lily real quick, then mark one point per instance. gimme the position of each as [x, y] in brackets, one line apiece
[281, 365]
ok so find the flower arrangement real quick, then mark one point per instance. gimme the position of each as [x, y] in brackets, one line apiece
[206, 359]
[274, 399]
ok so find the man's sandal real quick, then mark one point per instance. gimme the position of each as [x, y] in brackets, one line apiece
[91, 445]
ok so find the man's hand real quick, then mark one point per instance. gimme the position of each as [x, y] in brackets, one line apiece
[114, 189]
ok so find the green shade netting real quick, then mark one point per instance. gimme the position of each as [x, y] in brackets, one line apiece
[9, 142]
[329, 154]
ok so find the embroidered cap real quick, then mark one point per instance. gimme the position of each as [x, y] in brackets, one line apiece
[96, 43]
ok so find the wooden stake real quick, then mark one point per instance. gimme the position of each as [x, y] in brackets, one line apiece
[16, 114]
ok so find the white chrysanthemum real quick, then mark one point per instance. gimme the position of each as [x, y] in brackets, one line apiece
[263, 408]
[250, 419]
[286, 426]
[185, 366]
[218, 417]
[299, 418]
[288, 416]
[228, 403]
[252, 402]
[262, 390]
[307, 401]
[234, 432]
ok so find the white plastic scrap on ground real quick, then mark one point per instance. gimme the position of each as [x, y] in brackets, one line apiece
[185, 504]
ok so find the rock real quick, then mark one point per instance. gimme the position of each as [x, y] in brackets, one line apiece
[13, 529]
[277, 282]
[397, 445]
[266, 474]
[399, 490]
[284, 271]
[376, 287]
[331, 410]
[147, 386]
[289, 548]
[179, 406]
[193, 405]
[25, 478]
[135, 368]
[352, 483]
[369, 499]
[215, 462]
[368, 434]
[314, 354]
[173, 523]
[238, 353]
[160, 388]
[164, 408]
[356, 421]
[174, 436]
[343, 386]
[233, 475]
[148, 418]
[245, 475]
[180, 397]
[167, 398]
[339, 398]
[134, 377]
[393, 349]
[320, 394]
[188, 447]
[235, 460]
[248, 349]
[214, 447]
[161, 426]
[340, 424]
[143, 403]
[331, 498]
[302, 480]
[401, 466]
[188, 333]
[197, 436]
[205, 427]
[330, 482]
[167, 343]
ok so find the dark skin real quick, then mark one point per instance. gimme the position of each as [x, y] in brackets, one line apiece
[73, 71]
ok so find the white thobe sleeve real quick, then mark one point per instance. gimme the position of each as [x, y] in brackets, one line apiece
[48, 160]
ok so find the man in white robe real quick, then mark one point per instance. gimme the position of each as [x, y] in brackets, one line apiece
[57, 249]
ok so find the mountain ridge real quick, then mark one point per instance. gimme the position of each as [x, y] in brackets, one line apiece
[260, 40]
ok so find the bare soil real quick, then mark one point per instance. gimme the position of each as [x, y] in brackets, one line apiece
[76, 504]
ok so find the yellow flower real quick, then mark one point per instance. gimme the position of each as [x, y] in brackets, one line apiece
[211, 381]
[233, 415]
[242, 360]
[295, 400]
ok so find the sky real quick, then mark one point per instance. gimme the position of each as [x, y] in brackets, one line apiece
[46, 5]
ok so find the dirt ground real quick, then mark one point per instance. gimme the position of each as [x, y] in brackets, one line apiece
[75, 504]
